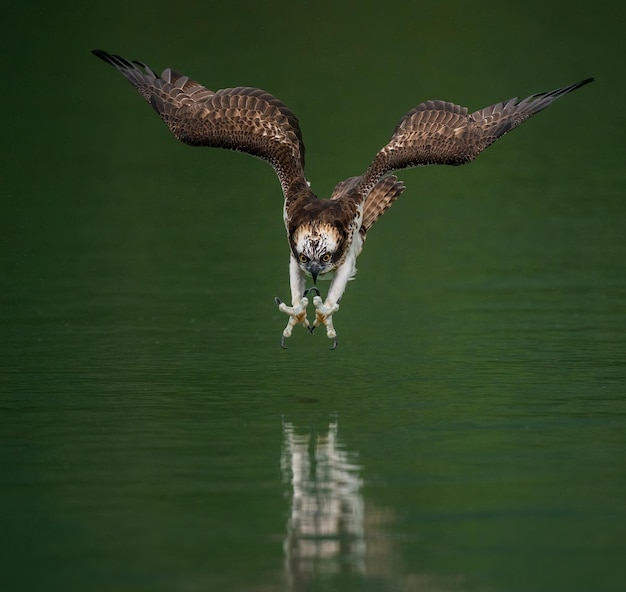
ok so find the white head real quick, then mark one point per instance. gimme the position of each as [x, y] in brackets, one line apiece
[318, 248]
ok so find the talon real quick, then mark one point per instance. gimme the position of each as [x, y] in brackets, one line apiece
[278, 301]
[311, 289]
[282, 341]
[334, 346]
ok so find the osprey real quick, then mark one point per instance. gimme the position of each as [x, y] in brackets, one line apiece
[325, 235]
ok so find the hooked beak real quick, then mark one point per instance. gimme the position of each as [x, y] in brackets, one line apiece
[314, 269]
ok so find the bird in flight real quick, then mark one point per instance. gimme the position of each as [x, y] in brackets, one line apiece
[325, 235]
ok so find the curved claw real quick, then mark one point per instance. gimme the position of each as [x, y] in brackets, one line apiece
[311, 289]
[278, 301]
[334, 346]
[282, 342]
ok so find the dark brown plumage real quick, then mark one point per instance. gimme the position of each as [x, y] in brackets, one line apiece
[438, 132]
[243, 119]
[325, 236]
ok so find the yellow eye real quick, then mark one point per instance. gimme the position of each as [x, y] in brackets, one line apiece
[326, 258]
[303, 259]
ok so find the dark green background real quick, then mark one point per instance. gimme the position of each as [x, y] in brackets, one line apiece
[480, 380]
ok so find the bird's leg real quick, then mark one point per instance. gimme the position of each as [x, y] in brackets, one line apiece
[299, 302]
[324, 310]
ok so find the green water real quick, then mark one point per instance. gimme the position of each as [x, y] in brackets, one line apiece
[468, 433]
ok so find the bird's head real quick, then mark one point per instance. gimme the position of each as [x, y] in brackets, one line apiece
[317, 248]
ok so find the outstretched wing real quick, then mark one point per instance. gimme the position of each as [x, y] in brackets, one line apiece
[244, 119]
[437, 132]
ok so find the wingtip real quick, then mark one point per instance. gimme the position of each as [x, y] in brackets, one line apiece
[105, 56]
[578, 85]
[586, 81]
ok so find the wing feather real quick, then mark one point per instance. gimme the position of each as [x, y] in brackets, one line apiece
[378, 200]
[244, 119]
[439, 132]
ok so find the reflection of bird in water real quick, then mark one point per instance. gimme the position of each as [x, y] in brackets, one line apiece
[325, 530]
[325, 236]
[332, 534]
